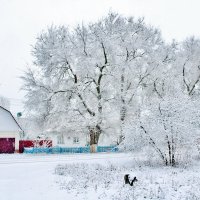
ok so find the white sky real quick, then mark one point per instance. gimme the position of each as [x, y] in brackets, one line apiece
[22, 20]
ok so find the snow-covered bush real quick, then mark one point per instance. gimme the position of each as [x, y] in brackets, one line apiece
[106, 182]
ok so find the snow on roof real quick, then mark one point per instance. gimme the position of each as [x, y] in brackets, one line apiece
[7, 121]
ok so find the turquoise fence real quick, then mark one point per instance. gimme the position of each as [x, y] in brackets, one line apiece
[107, 149]
[56, 150]
[53, 150]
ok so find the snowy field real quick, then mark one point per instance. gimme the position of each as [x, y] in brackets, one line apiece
[93, 176]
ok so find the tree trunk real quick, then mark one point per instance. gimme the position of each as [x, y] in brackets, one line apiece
[93, 148]
[123, 106]
[173, 152]
[94, 138]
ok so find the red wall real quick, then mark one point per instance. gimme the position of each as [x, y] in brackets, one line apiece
[33, 143]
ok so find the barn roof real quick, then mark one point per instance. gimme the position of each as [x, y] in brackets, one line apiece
[5, 123]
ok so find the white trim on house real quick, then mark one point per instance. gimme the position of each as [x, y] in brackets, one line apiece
[15, 135]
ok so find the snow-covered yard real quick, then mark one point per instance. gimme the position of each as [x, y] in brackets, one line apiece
[92, 176]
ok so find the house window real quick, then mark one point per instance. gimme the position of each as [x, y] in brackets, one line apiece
[76, 140]
[60, 139]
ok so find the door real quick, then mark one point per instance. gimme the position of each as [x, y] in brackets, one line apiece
[7, 145]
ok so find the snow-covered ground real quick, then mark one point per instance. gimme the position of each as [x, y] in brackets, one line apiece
[93, 176]
[32, 177]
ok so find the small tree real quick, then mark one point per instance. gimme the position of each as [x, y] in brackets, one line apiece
[169, 126]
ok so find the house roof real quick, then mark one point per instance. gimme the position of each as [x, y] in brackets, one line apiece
[10, 114]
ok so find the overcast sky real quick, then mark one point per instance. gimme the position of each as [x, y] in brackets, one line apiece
[22, 20]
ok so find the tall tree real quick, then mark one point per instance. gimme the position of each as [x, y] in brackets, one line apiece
[95, 72]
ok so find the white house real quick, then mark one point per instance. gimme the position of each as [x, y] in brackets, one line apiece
[67, 138]
[67, 135]
[9, 132]
[78, 138]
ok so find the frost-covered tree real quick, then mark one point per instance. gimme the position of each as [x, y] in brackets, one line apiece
[167, 120]
[92, 72]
